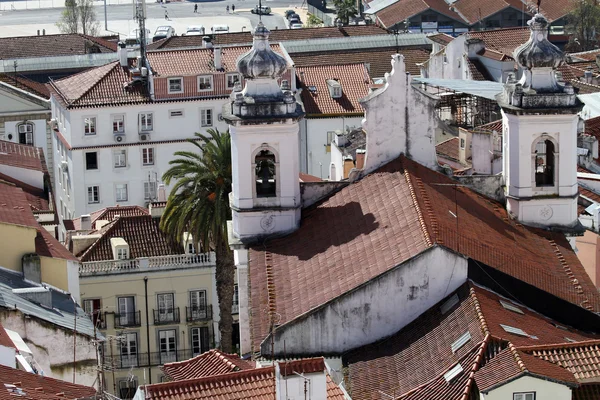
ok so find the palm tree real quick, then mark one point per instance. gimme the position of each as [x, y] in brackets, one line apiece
[199, 204]
[345, 9]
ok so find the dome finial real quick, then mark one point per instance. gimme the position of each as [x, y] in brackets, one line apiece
[538, 52]
[261, 61]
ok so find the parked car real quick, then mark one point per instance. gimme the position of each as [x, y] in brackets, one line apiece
[261, 10]
[220, 29]
[289, 12]
[296, 26]
[292, 15]
[194, 30]
[163, 32]
[294, 20]
[133, 39]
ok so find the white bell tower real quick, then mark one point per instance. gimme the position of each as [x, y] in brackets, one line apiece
[263, 123]
[539, 116]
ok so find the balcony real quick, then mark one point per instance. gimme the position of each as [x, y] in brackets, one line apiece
[162, 263]
[193, 314]
[125, 361]
[125, 320]
[99, 319]
[166, 316]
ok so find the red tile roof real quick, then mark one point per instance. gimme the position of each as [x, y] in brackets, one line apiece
[378, 60]
[475, 10]
[53, 45]
[398, 211]
[354, 79]
[37, 198]
[141, 233]
[587, 55]
[110, 213]
[309, 178]
[305, 366]
[504, 41]
[30, 386]
[22, 156]
[553, 10]
[23, 83]
[478, 71]
[490, 127]
[252, 384]
[5, 340]
[584, 87]
[448, 148]
[440, 38]
[46, 245]
[403, 9]
[334, 392]
[210, 363]
[587, 392]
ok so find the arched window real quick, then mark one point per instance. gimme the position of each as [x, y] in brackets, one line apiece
[25, 133]
[265, 174]
[544, 163]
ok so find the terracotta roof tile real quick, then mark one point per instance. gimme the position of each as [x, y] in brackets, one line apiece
[37, 198]
[37, 387]
[210, 363]
[584, 87]
[52, 45]
[589, 194]
[440, 38]
[23, 83]
[354, 79]
[378, 60]
[478, 71]
[474, 10]
[490, 127]
[109, 214]
[587, 55]
[403, 9]
[504, 41]
[5, 340]
[498, 369]
[448, 148]
[587, 392]
[46, 245]
[141, 233]
[309, 178]
[552, 10]
[22, 156]
[304, 366]
[252, 384]
[334, 392]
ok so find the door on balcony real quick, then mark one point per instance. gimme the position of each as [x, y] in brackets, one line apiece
[200, 340]
[92, 308]
[126, 311]
[166, 307]
[168, 347]
[198, 304]
[127, 388]
[129, 350]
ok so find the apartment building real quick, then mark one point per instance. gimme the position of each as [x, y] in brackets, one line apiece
[152, 298]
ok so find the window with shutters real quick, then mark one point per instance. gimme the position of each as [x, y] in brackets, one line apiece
[25, 133]
[206, 117]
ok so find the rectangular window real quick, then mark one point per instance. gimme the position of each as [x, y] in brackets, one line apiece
[232, 79]
[168, 345]
[205, 83]
[235, 309]
[206, 117]
[166, 304]
[121, 192]
[149, 190]
[93, 308]
[175, 85]
[129, 347]
[93, 194]
[145, 122]
[120, 158]
[198, 305]
[524, 396]
[148, 156]
[91, 160]
[26, 133]
[118, 123]
[127, 388]
[89, 126]
[176, 113]
[200, 340]
[127, 312]
[122, 252]
[462, 143]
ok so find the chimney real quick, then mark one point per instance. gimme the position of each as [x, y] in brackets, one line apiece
[207, 42]
[162, 193]
[32, 268]
[473, 46]
[587, 76]
[38, 295]
[122, 54]
[86, 222]
[217, 58]
[80, 243]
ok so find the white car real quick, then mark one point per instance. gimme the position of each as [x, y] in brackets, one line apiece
[220, 29]
[133, 39]
[296, 26]
[163, 32]
[195, 30]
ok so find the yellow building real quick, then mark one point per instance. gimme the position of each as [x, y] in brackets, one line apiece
[154, 300]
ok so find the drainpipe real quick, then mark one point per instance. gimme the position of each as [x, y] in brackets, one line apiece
[147, 329]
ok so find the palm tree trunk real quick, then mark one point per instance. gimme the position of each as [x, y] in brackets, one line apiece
[225, 281]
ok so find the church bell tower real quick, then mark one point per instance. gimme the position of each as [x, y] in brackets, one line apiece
[540, 116]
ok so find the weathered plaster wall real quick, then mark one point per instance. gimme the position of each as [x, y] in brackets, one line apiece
[448, 64]
[488, 185]
[16, 242]
[312, 192]
[543, 389]
[374, 310]
[399, 119]
[52, 348]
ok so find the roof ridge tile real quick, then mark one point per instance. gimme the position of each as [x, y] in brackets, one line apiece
[517, 357]
[555, 346]
[413, 196]
[482, 322]
[585, 303]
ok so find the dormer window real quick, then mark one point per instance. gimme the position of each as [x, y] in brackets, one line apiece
[122, 253]
[544, 158]
[175, 85]
[335, 88]
[265, 174]
[120, 248]
[232, 79]
[188, 243]
[25, 133]
[205, 83]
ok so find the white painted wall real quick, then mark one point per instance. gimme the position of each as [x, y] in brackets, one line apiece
[39, 131]
[543, 389]
[292, 387]
[449, 62]
[375, 310]
[29, 176]
[7, 357]
[398, 120]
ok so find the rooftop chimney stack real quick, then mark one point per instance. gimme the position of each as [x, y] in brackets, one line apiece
[122, 54]
[162, 194]
[86, 222]
[217, 58]
[207, 42]
[588, 75]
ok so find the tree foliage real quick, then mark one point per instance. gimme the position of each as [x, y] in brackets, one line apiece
[313, 21]
[79, 16]
[583, 26]
[199, 204]
[345, 10]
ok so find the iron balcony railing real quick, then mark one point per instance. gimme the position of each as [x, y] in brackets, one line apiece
[125, 361]
[203, 313]
[123, 320]
[166, 316]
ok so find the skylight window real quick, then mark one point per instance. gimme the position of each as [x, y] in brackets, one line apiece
[514, 331]
[453, 373]
[568, 339]
[511, 307]
[461, 341]
[448, 304]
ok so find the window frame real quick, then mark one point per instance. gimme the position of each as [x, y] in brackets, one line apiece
[94, 195]
[28, 133]
[119, 187]
[149, 191]
[173, 79]
[118, 119]
[232, 75]
[89, 125]
[143, 124]
[200, 79]
[87, 168]
[177, 111]
[147, 156]
[523, 395]
[119, 158]
[204, 123]
[554, 163]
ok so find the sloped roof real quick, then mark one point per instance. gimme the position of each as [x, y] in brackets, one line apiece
[210, 363]
[5, 340]
[552, 10]
[22, 156]
[490, 127]
[354, 79]
[142, 234]
[390, 216]
[478, 71]
[475, 10]
[52, 45]
[440, 38]
[504, 41]
[592, 127]
[109, 214]
[448, 148]
[37, 198]
[378, 60]
[30, 386]
[587, 392]
[23, 83]
[403, 9]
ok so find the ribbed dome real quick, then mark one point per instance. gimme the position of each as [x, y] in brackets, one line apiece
[538, 52]
[261, 61]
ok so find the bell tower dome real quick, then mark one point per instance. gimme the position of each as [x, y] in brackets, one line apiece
[263, 123]
[540, 116]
